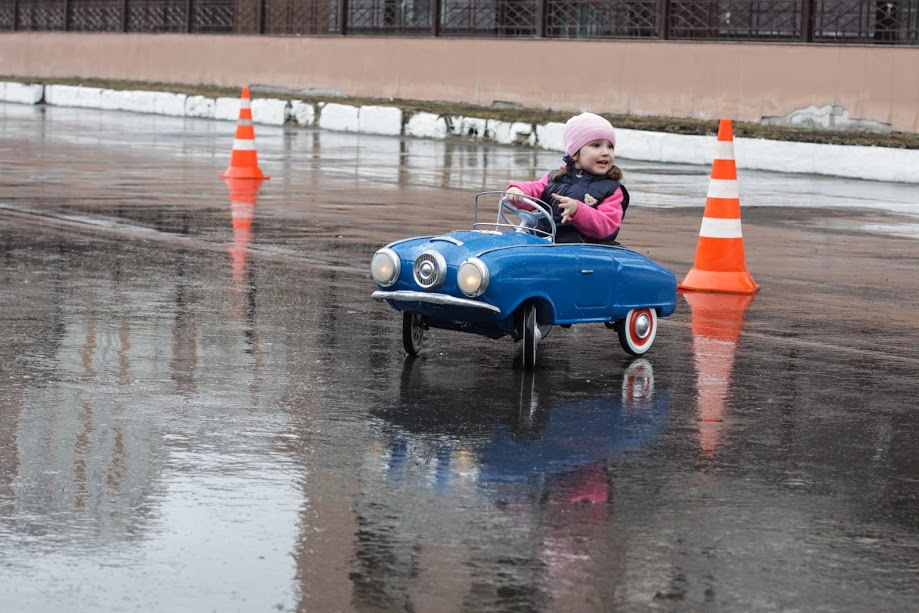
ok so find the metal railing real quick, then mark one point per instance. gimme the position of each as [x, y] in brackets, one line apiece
[831, 21]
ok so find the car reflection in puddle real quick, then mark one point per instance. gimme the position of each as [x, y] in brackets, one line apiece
[523, 442]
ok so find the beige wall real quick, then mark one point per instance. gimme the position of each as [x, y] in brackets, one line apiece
[683, 79]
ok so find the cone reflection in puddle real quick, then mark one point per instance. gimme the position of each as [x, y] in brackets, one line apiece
[717, 321]
[243, 195]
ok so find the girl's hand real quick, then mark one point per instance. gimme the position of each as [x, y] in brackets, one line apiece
[568, 206]
[513, 194]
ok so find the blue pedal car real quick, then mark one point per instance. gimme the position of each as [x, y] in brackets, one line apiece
[508, 277]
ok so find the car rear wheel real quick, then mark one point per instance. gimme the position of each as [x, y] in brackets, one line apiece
[637, 330]
[530, 334]
[412, 332]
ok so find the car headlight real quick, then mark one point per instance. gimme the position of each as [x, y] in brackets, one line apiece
[385, 267]
[472, 277]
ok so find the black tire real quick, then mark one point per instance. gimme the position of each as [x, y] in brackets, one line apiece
[530, 337]
[412, 333]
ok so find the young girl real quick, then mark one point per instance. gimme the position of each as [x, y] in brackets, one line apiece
[587, 199]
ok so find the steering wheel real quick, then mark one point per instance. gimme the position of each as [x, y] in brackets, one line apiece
[528, 219]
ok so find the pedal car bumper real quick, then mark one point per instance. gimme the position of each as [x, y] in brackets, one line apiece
[409, 296]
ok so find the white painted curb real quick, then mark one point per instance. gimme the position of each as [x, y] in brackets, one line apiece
[302, 114]
[338, 117]
[426, 125]
[31, 93]
[850, 161]
[386, 120]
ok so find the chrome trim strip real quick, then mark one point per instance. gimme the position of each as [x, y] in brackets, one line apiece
[552, 246]
[448, 239]
[409, 296]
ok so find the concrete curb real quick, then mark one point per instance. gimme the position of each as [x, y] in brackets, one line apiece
[850, 161]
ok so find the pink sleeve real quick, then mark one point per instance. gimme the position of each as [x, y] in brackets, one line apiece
[533, 189]
[602, 221]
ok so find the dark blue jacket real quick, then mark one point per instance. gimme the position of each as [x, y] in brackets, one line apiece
[577, 184]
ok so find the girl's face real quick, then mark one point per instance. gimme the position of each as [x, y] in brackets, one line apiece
[596, 157]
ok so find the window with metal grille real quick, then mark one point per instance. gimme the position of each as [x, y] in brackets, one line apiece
[736, 20]
[489, 17]
[390, 16]
[830, 21]
[302, 17]
[855, 21]
[597, 19]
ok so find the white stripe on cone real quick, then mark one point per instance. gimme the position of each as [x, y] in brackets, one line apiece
[724, 150]
[717, 227]
[244, 144]
[723, 188]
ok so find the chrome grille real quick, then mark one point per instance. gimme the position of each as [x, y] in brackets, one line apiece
[430, 270]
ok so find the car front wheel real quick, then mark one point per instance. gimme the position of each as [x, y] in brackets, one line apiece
[530, 337]
[412, 332]
[637, 330]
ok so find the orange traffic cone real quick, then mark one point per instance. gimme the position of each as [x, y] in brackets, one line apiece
[244, 161]
[720, 264]
[717, 321]
[243, 194]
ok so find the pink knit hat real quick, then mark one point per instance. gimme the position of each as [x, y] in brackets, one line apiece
[586, 127]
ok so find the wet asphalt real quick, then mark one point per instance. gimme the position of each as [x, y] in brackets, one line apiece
[203, 409]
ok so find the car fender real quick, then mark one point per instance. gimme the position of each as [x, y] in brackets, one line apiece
[545, 307]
